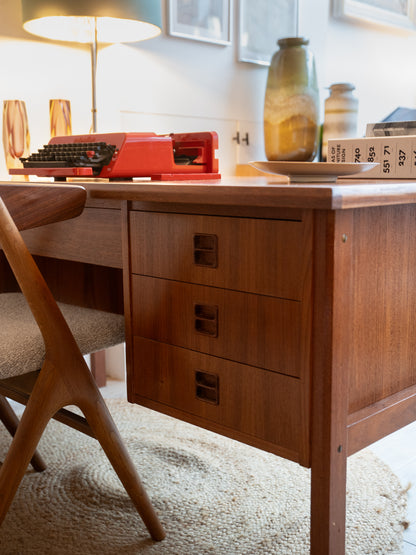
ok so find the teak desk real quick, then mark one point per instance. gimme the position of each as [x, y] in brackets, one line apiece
[279, 315]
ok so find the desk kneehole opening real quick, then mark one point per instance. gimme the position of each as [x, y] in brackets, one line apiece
[207, 387]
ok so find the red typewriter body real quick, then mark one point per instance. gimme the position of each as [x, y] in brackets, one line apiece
[177, 156]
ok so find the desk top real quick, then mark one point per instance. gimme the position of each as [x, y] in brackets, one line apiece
[261, 192]
[257, 192]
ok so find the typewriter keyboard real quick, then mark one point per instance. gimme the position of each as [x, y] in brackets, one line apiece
[66, 155]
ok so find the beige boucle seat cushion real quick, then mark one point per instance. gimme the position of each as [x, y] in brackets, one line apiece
[21, 345]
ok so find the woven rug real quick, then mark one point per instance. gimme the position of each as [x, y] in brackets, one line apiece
[214, 496]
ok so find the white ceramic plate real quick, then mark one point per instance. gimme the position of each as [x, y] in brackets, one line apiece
[312, 172]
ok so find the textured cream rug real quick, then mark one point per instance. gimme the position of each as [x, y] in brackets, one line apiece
[214, 496]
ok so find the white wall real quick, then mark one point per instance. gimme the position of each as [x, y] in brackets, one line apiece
[172, 84]
[379, 60]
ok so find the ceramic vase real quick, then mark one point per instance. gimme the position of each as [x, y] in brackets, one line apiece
[291, 106]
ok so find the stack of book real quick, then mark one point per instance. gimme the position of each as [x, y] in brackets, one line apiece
[391, 144]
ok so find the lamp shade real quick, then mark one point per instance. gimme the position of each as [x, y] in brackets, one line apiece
[75, 20]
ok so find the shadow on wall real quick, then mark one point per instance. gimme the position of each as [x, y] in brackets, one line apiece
[11, 20]
[11, 24]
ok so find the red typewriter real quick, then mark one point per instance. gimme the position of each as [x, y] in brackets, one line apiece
[122, 156]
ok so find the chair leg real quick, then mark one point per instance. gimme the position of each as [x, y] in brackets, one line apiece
[73, 384]
[52, 391]
[106, 432]
[11, 421]
[42, 405]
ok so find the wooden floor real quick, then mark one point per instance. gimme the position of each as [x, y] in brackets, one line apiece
[397, 450]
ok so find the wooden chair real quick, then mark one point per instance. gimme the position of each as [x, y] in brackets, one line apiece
[41, 359]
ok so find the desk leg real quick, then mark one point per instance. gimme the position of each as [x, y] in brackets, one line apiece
[98, 368]
[330, 368]
[328, 496]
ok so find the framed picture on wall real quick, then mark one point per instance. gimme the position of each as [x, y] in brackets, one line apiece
[204, 20]
[261, 24]
[388, 12]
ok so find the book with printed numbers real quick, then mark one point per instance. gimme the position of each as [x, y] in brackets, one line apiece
[396, 155]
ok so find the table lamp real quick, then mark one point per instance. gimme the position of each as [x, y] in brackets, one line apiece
[93, 22]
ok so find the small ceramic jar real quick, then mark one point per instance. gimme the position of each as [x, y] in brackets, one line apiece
[340, 120]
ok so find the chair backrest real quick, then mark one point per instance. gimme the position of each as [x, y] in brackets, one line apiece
[53, 203]
[22, 207]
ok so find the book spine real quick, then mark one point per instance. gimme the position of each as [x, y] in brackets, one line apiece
[390, 128]
[396, 156]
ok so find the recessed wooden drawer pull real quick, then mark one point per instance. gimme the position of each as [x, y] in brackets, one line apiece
[206, 250]
[206, 319]
[207, 387]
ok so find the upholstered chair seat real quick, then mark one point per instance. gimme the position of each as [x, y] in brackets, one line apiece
[22, 348]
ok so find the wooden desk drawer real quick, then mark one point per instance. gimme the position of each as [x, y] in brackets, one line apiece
[270, 257]
[250, 401]
[252, 329]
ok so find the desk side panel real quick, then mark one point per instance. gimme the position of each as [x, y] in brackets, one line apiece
[383, 304]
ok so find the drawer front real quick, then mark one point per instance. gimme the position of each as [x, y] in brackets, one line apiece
[252, 329]
[270, 257]
[255, 402]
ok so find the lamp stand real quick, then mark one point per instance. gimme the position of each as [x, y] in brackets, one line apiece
[94, 79]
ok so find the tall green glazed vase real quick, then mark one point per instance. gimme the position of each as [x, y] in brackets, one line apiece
[291, 106]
